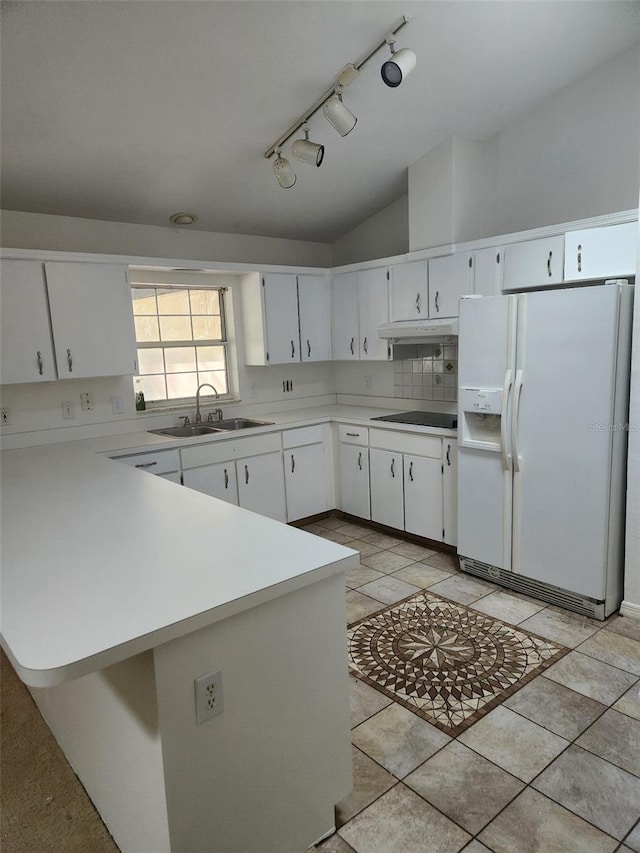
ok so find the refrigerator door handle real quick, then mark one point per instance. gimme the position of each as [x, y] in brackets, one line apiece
[506, 456]
[514, 420]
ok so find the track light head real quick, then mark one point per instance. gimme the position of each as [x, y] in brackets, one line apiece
[338, 115]
[283, 171]
[402, 62]
[307, 151]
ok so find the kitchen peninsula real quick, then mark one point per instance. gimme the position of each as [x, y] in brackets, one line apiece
[119, 589]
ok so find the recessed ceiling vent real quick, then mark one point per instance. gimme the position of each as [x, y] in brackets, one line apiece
[183, 218]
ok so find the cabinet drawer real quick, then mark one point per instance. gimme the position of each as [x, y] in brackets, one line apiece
[222, 451]
[302, 436]
[161, 462]
[353, 435]
[405, 442]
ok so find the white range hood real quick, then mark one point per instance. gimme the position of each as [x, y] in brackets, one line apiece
[416, 331]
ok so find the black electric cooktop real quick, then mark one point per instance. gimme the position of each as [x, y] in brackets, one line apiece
[430, 419]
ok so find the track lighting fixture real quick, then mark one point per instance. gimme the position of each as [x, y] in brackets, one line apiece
[334, 110]
[307, 151]
[402, 62]
[283, 171]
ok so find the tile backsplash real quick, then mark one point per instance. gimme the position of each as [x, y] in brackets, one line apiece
[426, 371]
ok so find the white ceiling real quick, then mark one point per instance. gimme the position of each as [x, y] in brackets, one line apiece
[133, 110]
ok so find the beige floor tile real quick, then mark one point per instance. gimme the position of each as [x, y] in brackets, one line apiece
[614, 649]
[562, 711]
[475, 847]
[509, 608]
[360, 575]
[331, 523]
[381, 540]
[333, 844]
[462, 588]
[590, 677]
[533, 824]
[629, 702]
[386, 561]
[464, 785]
[564, 628]
[632, 841]
[514, 743]
[353, 530]
[401, 822]
[365, 548]
[364, 701]
[398, 739]
[616, 738]
[421, 574]
[314, 527]
[359, 606]
[410, 549]
[625, 625]
[441, 560]
[594, 789]
[370, 781]
[389, 589]
[334, 536]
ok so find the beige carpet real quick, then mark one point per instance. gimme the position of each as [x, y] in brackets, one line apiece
[45, 809]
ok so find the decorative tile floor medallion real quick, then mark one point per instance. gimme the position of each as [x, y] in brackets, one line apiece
[447, 663]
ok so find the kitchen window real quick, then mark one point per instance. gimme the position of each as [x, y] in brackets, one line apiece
[181, 337]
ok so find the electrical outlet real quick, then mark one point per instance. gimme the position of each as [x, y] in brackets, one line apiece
[209, 700]
[86, 401]
[68, 410]
[6, 417]
[368, 383]
[117, 406]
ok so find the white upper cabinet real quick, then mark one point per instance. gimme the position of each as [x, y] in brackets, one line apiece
[280, 295]
[449, 279]
[373, 310]
[409, 291]
[25, 338]
[81, 312]
[594, 253]
[314, 304]
[346, 335]
[534, 263]
[488, 266]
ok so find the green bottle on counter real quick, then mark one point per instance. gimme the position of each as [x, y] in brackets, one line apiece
[140, 403]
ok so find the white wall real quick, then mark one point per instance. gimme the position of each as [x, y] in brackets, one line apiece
[381, 236]
[68, 234]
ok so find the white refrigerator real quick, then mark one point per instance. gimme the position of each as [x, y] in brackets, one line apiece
[542, 430]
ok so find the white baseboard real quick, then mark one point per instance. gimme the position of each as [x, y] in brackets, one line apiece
[628, 608]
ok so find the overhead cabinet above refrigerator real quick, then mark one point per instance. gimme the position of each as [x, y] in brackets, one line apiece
[542, 420]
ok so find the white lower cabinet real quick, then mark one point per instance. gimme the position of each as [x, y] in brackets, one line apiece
[353, 461]
[387, 501]
[261, 485]
[217, 480]
[423, 509]
[305, 472]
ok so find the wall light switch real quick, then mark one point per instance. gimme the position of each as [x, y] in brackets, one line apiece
[68, 410]
[86, 401]
[117, 406]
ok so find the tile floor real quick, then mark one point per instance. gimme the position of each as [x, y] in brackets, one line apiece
[556, 767]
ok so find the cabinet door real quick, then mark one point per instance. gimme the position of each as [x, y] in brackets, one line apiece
[423, 496]
[281, 313]
[92, 319]
[373, 310]
[387, 502]
[345, 317]
[487, 272]
[354, 480]
[25, 336]
[217, 480]
[450, 490]
[409, 291]
[449, 279]
[601, 252]
[305, 479]
[314, 303]
[534, 263]
[261, 485]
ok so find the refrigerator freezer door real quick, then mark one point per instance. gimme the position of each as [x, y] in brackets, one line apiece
[566, 352]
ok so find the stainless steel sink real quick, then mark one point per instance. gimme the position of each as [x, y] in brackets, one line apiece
[240, 423]
[186, 431]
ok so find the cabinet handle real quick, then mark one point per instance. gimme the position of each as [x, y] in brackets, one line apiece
[352, 343]
[246, 475]
[436, 301]
[293, 463]
[146, 464]
[549, 263]
[70, 360]
[449, 454]
[293, 350]
[353, 434]
[393, 467]
[308, 349]
[226, 479]
[411, 471]
[580, 258]
[418, 302]
[360, 460]
[498, 258]
[40, 365]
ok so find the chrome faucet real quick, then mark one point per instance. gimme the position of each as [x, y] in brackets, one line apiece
[198, 419]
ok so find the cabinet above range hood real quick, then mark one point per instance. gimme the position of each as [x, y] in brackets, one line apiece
[416, 331]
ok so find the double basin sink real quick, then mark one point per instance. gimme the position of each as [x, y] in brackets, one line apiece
[227, 425]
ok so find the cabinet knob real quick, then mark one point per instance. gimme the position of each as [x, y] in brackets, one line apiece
[246, 475]
[293, 350]
[293, 463]
[580, 258]
[411, 471]
[40, 364]
[437, 297]
[365, 346]
[70, 361]
[393, 467]
[549, 264]
[308, 348]
[448, 454]
[226, 479]
[418, 303]
[352, 345]
[360, 460]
